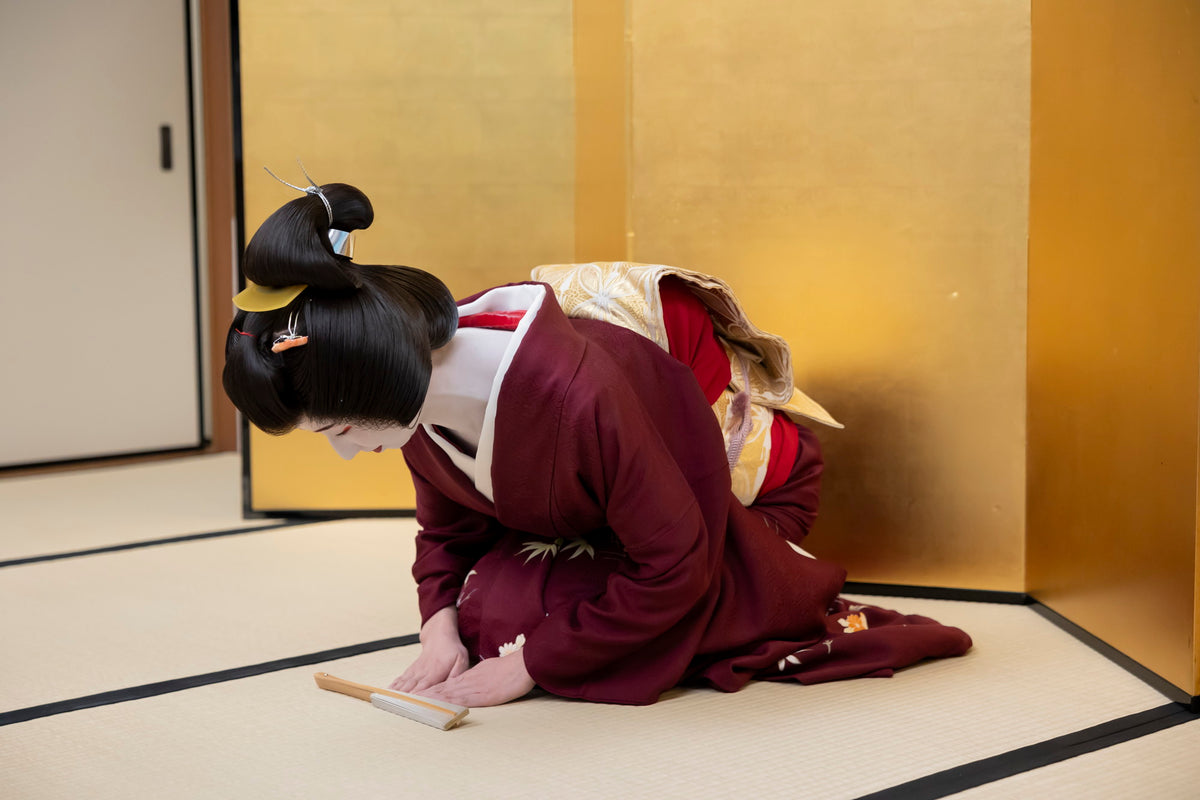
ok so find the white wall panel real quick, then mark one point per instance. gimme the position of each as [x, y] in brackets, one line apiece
[98, 351]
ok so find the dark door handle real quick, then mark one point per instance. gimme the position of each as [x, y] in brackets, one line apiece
[164, 147]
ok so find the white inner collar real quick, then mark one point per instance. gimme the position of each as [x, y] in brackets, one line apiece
[527, 298]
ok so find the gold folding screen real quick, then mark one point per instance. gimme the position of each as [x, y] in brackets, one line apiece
[868, 202]
[1114, 325]
[457, 120]
[861, 173]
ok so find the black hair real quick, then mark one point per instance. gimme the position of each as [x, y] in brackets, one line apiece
[371, 329]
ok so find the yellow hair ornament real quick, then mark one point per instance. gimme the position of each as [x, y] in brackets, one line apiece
[266, 298]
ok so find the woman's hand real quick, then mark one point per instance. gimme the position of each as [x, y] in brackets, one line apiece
[489, 683]
[442, 655]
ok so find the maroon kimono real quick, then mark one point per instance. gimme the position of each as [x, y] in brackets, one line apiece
[614, 549]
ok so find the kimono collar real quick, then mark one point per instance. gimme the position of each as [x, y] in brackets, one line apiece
[497, 320]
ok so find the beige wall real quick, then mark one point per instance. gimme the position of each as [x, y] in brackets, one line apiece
[859, 172]
[1114, 324]
[457, 120]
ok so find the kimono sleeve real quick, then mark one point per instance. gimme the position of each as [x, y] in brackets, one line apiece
[637, 637]
[451, 540]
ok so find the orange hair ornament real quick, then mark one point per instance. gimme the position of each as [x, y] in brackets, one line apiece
[289, 338]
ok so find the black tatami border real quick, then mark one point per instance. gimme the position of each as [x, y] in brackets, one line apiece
[1051, 751]
[1034, 756]
[33, 469]
[195, 681]
[1144, 674]
[190, 537]
[936, 785]
[939, 593]
[1123, 661]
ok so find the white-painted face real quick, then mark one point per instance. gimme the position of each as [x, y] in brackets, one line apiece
[350, 440]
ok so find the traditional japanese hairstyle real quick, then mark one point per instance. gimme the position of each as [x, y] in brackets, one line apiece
[368, 331]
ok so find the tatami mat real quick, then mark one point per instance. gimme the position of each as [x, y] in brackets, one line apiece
[269, 735]
[99, 623]
[277, 736]
[85, 625]
[80, 510]
[1162, 766]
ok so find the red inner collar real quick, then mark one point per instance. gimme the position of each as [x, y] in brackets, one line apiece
[501, 320]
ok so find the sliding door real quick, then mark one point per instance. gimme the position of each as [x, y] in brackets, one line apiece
[98, 302]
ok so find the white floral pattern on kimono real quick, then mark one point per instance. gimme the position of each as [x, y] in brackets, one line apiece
[513, 646]
[794, 658]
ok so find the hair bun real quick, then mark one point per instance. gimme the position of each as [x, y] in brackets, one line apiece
[292, 245]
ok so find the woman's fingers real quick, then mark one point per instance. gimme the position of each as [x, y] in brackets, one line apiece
[490, 682]
[459, 667]
[402, 684]
[429, 670]
[415, 677]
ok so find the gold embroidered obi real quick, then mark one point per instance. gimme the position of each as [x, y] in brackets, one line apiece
[626, 294]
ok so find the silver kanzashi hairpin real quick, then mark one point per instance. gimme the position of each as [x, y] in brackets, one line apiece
[341, 241]
[312, 188]
[289, 338]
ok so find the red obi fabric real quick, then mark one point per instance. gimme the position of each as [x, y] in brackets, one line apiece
[693, 341]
